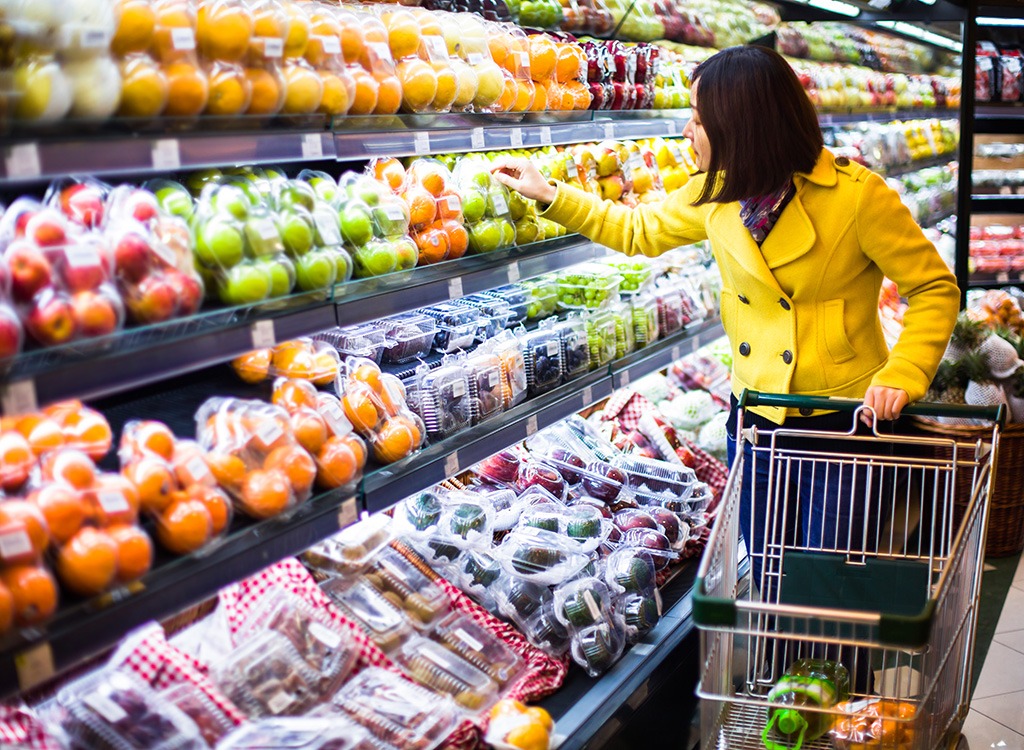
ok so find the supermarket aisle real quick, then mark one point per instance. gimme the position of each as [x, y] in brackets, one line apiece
[996, 719]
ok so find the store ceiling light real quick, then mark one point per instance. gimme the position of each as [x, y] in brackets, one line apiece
[995, 21]
[836, 6]
[924, 35]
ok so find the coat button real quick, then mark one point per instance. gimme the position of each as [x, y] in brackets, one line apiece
[842, 161]
[784, 302]
[806, 411]
[745, 349]
[743, 299]
[787, 357]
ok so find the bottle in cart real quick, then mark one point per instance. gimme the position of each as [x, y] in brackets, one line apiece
[813, 683]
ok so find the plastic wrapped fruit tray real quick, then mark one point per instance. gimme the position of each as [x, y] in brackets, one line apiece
[409, 337]
[364, 340]
[649, 477]
[591, 286]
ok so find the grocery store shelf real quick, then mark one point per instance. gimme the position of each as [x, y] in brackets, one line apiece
[999, 119]
[916, 166]
[998, 281]
[662, 353]
[827, 119]
[997, 204]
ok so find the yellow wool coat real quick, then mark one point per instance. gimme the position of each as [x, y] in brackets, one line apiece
[801, 310]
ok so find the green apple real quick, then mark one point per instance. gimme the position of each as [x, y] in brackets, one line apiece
[262, 237]
[219, 243]
[549, 228]
[517, 205]
[527, 230]
[197, 181]
[230, 199]
[315, 270]
[482, 179]
[485, 236]
[508, 233]
[282, 275]
[375, 258]
[344, 263]
[473, 206]
[296, 192]
[406, 252]
[324, 186]
[245, 284]
[356, 224]
[175, 200]
[391, 217]
[296, 228]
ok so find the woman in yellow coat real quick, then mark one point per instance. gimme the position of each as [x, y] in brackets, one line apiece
[802, 240]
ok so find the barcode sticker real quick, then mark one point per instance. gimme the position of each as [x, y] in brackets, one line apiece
[458, 389]
[347, 514]
[524, 60]
[394, 212]
[609, 131]
[451, 464]
[474, 58]
[22, 161]
[263, 334]
[106, 708]
[312, 146]
[493, 378]
[269, 432]
[545, 135]
[500, 204]
[516, 137]
[327, 228]
[182, 39]
[325, 635]
[421, 142]
[513, 272]
[19, 397]
[166, 154]
[470, 641]
[332, 45]
[279, 703]
[273, 46]
[14, 544]
[552, 348]
[112, 501]
[476, 138]
[81, 255]
[455, 288]
[454, 203]
[34, 666]
[531, 425]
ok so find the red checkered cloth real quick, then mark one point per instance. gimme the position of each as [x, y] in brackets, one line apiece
[20, 727]
[626, 406]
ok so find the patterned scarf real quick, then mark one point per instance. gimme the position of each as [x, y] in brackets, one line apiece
[760, 214]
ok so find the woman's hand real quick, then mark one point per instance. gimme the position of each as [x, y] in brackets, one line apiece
[520, 175]
[886, 402]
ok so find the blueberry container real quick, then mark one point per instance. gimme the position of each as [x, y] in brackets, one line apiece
[409, 337]
[517, 298]
[542, 355]
[495, 314]
[443, 400]
[485, 392]
[456, 326]
[366, 340]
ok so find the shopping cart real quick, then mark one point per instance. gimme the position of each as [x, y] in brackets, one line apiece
[894, 600]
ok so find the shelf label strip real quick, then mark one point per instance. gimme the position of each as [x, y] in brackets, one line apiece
[451, 464]
[312, 146]
[347, 513]
[22, 161]
[19, 397]
[166, 154]
[34, 666]
[476, 138]
[263, 334]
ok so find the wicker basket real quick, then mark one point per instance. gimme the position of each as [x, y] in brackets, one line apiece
[1006, 513]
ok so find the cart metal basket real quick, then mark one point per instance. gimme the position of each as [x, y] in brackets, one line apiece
[894, 600]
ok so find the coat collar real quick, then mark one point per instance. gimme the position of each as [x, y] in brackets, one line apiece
[824, 172]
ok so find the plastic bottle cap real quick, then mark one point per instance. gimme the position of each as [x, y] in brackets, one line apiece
[790, 721]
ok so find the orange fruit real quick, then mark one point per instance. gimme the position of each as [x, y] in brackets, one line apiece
[352, 40]
[541, 717]
[540, 99]
[310, 429]
[230, 91]
[135, 25]
[144, 87]
[269, 20]
[432, 244]
[114, 500]
[327, 364]
[188, 90]
[389, 171]
[449, 206]
[323, 25]
[265, 493]
[389, 95]
[357, 446]
[89, 431]
[64, 509]
[269, 431]
[154, 481]
[87, 564]
[41, 432]
[217, 505]
[184, 526]
[70, 466]
[339, 89]
[291, 395]
[134, 551]
[337, 463]
[508, 95]
[578, 93]
[447, 87]
[228, 469]
[254, 366]
[223, 30]
[392, 394]
[419, 84]
[16, 460]
[298, 30]
[404, 33]
[500, 46]
[531, 736]
[189, 465]
[543, 57]
[267, 99]
[303, 89]
[26, 520]
[170, 16]
[571, 64]
[59, 412]
[33, 590]
[367, 372]
[294, 362]
[458, 238]
[524, 95]
[296, 464]
[422, 205]
[155, 438]
[6, 609]
[365, 97]
[433, 181]
[397, 438]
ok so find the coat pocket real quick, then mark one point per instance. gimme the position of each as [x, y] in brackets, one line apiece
[836, 340]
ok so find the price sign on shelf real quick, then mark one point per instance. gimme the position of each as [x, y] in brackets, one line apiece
[347, 513]
[609, 131]
[588, 395]
[451, 464]
[515, 136]
[19, 397]
[34, 666]
[22, 161]
[531, 425]
[455, 288]
[545, 135]
[166, 154]
[624, 378]
[312, 146]
[263, 334]
[421, 142]
[513, 272]
[676, 353]
[476, 138]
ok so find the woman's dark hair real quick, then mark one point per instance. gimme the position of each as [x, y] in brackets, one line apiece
[761, 126]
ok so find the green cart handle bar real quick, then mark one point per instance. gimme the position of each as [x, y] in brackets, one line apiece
[996, 414]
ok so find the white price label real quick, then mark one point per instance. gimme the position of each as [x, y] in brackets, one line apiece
[14, 544]
[571, 171]
[106, 708]
[437, 50]
[325, 635]
[269, 432]
[280, 703]
[421, 143]
[34, 666]
[332, 45]
[515, 136]
[19, 397]
[531, 425]
[164, 253]
[470, 641]
[500, 204]
[328, 229]
[347, 514]
[552, 348]
[335, 417]
[455, 288]
[1002, 277]
[476, 138]
[266, 228]
[609, 131]
[273, 46]
[82, 255]
[451, 464]
[312, 146]
[458, 389]
[624, 378]
[182, 39]
[588, 396]
[112, 501]
[545, 135]
[493, 378]
[166, 154]
[513, 272]
[381, 50]
[22, 161]
[676, 353]
[474, 58]
[524, 60]
[197, 469]
[394, 212]
[454, 203]
[263, 334]
[642, 649]
[93, 37]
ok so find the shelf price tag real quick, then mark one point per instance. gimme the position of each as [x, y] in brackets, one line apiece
[545, 135]
[34, 666]
[672, 127]
[1002, 277]
[182, 39]
[513, 272]
[263, 335]
[166, 154]
[421, 142]
[476, 138]
[451, 464]
[312, 146]
[347, 513]
[19, 397]
[22, 161]
[515, 136]
[588, 395]
[676, 353]
[531, 425]
[455, 288]
[609, 131]
[624, 379]
[272, 46]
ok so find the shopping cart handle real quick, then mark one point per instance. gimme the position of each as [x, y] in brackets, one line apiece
[995, 414]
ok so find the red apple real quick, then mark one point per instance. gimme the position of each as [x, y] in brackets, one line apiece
[21, 223]
[30, 270]
[83, 204]
[84, 266]
[154, 300]
[10, 333]
[188, 290]
[132, 257]
[47, 228]
[142, 206]
[95, 314]
[51, 320]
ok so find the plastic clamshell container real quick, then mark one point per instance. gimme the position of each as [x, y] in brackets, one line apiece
[384, 623]
[541, 474]
[478, 571]
[443, 400]
[494, 314]
[598, 481]
[517, 299]
[480, 647]
[114, 710]
[467, 521]
[367, 341]
[543, 629]
[630, 570]
[696, 502]
[326, 649]
[418, 515]
[396, 711]
[405, 585]
[637, 276]
[670, 310]
[540, 556]
[589, 286]
[601, 338]
[582, 603]
[507, 507]
[456, 326]
[350, 550]
[299, 733]
[409, 337]
[572, 334]
[598, 647]
[651, 541]
[210, 720]
[639, 613]
[542, 353]
[645, 319]
[651, 478]
[543, 296]
[266, 676]
[484, 371]
[518, 598]
[583, 524]
[501, 468]
[444, 671]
